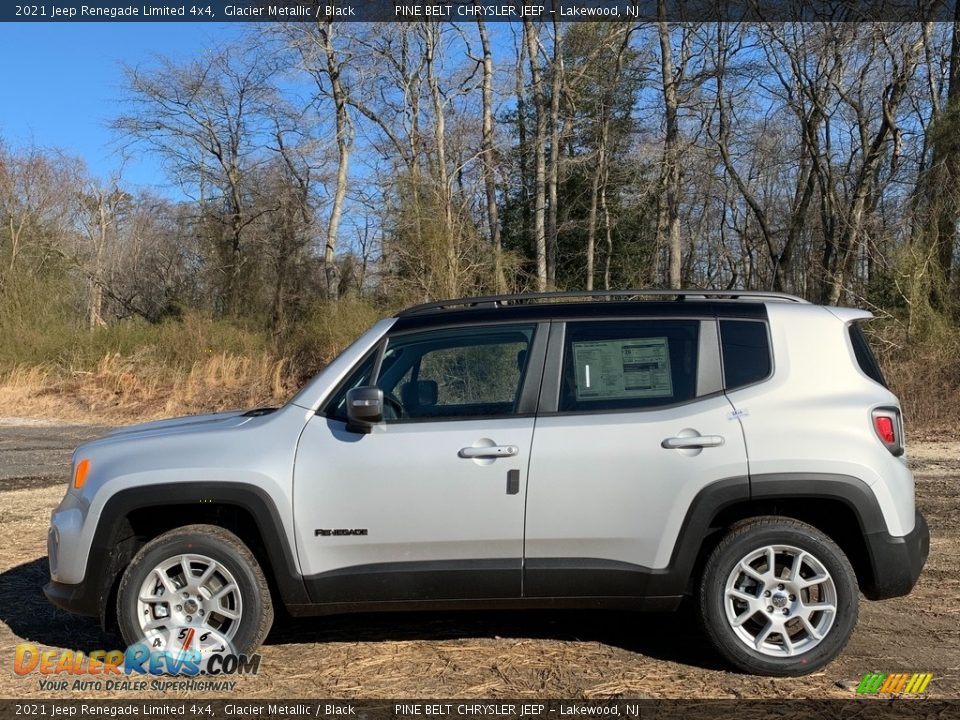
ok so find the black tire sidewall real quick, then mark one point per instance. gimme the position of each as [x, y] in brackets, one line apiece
[151, 555]
[736, 547]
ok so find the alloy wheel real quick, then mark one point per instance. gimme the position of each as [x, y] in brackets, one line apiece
[780, 600]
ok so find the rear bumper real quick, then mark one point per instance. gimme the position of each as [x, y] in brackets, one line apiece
[897, 561]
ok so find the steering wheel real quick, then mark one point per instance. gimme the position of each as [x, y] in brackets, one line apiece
[392, 407]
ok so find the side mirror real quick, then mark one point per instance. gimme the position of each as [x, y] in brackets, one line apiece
[364, 408]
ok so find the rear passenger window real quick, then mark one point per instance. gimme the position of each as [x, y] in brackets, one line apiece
[746, 352]
[629, 365]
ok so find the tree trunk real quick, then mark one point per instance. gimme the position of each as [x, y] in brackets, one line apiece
[451, 280]
[554, 175]
[343, 159]
[592, 217]
[523, 146]
[607, 228]
[489, 159]
[668, 223]
[539, 143]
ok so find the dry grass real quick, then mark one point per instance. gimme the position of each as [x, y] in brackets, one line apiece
[923, 372]
[131, 370]
[123, 388]
[927, 381]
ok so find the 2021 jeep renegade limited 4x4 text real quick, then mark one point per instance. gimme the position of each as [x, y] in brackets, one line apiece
[522, 451]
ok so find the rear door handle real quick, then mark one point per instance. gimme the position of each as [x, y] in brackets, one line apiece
[687, 443]
[491, 451]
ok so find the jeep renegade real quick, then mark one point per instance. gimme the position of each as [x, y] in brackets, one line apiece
[597, 450]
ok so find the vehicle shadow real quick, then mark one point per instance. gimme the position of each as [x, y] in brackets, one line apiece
[32, 618]
[672, 636]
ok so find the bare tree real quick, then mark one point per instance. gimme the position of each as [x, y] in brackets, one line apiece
[607, 79]
[99, 210]
[327, 66]
[902, 50]
[205, 119]
[669, 218]
[288, 208]
[36, 194]
[726, 42]
[431, 47]
[942, 179]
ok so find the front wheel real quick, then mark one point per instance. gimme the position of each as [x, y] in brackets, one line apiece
[196, 588]
[778, 597]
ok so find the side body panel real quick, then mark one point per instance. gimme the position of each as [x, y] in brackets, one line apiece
[813, 414]
[608, 490]
[424, 512]
[607, 501]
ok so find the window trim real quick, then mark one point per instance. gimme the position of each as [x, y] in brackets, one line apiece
[708, 352]
[770, 353]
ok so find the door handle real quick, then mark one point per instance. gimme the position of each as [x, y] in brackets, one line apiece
[694, 442]
[491, 451]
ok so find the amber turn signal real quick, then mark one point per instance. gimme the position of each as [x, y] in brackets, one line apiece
[80, 473]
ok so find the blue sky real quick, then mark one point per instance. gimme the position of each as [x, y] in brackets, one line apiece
[62, 84]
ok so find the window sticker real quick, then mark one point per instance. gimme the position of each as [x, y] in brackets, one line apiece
[614, 369]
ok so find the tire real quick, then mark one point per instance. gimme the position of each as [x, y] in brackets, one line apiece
[742, 606]
[219, 564]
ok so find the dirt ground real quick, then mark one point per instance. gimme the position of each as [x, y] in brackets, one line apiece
[470, 655]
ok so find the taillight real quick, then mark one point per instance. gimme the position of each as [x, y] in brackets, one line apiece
[884, 427]
[888, 427]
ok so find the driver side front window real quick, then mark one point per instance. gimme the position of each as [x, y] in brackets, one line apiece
[449, 374]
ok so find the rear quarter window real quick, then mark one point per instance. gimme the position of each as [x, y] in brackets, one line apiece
[745, 345]
[864, 355]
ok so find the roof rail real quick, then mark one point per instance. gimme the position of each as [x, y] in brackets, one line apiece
[495, 301]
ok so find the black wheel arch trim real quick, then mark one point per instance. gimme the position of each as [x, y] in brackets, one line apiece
[852, 491]
[895, 562]
[106, 558]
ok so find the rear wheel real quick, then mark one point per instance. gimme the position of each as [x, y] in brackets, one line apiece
[195, 588]
[778, 597]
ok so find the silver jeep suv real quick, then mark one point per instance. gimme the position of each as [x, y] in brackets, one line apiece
[614, 450]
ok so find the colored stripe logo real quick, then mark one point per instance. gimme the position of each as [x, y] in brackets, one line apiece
[894, 683]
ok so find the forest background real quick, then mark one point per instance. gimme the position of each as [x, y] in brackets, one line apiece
[322, 175]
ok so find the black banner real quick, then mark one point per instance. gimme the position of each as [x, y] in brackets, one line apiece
[259, 708]
[490, 10]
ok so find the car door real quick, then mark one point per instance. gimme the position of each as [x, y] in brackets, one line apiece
[429, 505]
[633, 425]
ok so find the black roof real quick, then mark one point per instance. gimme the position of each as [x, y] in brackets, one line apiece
[576, 306]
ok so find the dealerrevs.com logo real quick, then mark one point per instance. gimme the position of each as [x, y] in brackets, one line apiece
[894, 683]
[137, 668]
